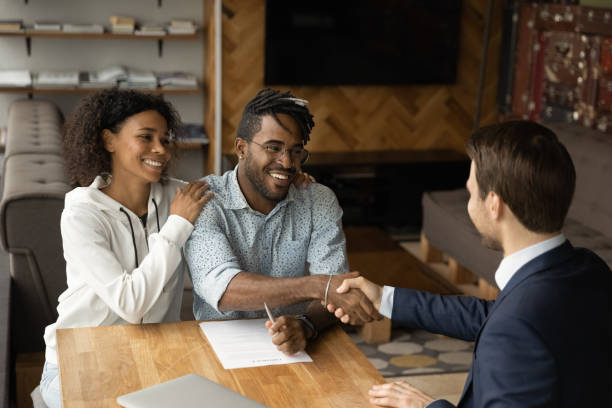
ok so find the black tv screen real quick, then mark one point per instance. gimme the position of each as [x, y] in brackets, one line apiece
[361, 42]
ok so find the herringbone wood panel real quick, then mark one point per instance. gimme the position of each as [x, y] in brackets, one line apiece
[354, 118]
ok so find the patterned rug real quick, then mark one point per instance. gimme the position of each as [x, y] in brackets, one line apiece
[417, 352]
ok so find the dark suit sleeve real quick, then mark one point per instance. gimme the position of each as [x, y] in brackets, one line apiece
[454, 316]
[513, 367]
[440, 404]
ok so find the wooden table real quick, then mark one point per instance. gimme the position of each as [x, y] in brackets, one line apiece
[98, 364]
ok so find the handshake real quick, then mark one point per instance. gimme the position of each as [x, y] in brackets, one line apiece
[353, 299]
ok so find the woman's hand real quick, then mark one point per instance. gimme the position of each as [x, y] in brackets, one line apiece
[303, 180]
[189, 200]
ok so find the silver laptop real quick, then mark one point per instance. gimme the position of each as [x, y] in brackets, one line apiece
[190, 391]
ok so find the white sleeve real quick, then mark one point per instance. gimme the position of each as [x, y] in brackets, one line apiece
[386, 302]
[130, 294]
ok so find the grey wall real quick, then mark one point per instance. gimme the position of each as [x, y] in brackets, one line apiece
[85, 54]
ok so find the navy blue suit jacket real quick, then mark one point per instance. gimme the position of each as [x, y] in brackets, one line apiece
[545, 341]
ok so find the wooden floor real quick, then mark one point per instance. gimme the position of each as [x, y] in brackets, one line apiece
[373, 253]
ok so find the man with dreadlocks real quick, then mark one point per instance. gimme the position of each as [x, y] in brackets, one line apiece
[261, 239]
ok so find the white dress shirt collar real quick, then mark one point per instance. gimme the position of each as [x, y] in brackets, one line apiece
[512, 263]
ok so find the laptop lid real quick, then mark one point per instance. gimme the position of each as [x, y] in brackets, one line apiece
[189, 391]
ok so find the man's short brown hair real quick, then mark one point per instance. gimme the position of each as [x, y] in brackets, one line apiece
[526, 165]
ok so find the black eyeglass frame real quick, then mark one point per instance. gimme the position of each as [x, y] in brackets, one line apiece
[281, 153]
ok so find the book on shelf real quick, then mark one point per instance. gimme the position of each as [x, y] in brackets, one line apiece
[122, 29]
[11, 26]
[112, 73]
[46, 26]
[15, 78]
[153, 30]
[55, 79]
[83, 28]
[139, 79]
[194, 133]
[177, 80]
[181, 27]
[90, 80]
[121, 20]
[122, 25]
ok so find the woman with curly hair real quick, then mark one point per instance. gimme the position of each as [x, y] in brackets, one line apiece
[124, 226]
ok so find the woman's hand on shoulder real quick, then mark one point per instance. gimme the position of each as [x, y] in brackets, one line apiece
[303, 180]
[189, 200]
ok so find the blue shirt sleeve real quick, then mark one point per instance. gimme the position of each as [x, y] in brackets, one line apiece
[211, 260]
[327, 248]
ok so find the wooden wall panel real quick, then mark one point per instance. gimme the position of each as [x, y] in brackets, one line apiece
[358, 118]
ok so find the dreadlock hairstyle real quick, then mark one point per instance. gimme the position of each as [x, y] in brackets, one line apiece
[272, 102]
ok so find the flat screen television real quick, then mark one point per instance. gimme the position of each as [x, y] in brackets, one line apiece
[361, 42]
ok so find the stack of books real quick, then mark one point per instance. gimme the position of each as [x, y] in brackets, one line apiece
[15, 79]
[181, 27]
[47, 26]
[150, 29]
[177, 80]
[122, 25]
[11, 26]
[83, 28]
[56, 79]
[103, 78]
[137, 79]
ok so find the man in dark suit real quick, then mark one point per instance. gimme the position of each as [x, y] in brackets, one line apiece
[546, 340]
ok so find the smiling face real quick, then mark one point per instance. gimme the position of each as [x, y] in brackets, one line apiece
[140, 150]
[477, 210]
[268, 178]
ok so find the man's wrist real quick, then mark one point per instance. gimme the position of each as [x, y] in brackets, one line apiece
[309, 328]
[317, 287]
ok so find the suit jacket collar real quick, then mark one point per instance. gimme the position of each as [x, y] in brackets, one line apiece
[547, 260]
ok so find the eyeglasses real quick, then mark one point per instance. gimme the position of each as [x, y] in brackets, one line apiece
[277, 152]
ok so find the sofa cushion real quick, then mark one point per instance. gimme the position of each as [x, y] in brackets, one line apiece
[447, 226]
[33, 127]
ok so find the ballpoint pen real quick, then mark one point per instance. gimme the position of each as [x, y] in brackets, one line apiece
[269, 313]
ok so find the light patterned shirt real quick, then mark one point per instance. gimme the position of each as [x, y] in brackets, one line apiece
[302, 234]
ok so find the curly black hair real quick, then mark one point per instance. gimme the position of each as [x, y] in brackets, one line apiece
[270, 102]
[83, 146]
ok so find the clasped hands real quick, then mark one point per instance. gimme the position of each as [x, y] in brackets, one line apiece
[353, 299]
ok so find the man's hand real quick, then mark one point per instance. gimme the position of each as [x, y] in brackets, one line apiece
[372, 291]
[288, 334]
[354, 305]
[398, 394]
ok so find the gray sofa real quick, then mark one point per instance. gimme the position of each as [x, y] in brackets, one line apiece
[34, 183]
[447, 227]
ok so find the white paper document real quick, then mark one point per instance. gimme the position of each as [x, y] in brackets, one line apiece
[246, 343]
